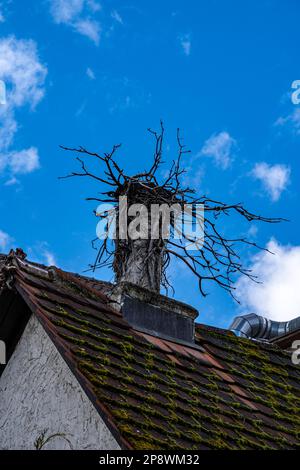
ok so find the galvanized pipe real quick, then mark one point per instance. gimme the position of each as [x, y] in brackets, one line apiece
[256, 326]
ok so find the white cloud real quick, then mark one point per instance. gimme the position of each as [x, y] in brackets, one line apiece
[81, 109]
[278, 296]
[64, 11]
[22, 72]
[292, 121]
[5, 240]
[125, 102]
[193, 176]
[90, 73]
[295, 120]
[12, 181]
[275, 178]
[49, 258]
[252, 232]
[24, 76]
[88, 28]
[23, 162]
[3, 10]
[186, 44]
[76, 14]
[220, 147]
[41, 253]
[93, 5]
[8, 129]
[116, 16]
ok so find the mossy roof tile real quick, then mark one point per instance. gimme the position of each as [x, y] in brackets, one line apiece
[237, 394]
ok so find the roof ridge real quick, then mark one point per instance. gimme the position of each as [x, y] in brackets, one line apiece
[85, 287]
[17, 259]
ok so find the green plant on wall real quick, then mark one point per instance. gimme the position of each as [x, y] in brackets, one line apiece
[43, 439]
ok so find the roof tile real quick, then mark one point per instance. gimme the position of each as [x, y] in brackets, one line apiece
[230, 393]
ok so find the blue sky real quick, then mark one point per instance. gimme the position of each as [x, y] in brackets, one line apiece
[96, 73]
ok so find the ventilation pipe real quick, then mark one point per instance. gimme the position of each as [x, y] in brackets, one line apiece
[255, 326]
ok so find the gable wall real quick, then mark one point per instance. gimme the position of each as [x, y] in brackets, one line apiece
[38, 392]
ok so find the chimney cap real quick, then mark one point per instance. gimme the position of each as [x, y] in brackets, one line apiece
[154, 313]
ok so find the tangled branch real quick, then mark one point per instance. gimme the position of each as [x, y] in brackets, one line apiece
[217, 259]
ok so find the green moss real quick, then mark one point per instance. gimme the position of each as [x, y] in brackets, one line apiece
[168, 380]
[121, 414]
[144, 445]
[82, 342]
[212, 386]
[149, 360]
[97, 381]
[219, 444]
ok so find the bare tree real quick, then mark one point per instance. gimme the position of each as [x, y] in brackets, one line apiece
[145, 261]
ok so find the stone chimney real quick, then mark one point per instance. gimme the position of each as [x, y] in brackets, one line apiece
[138, 266]
[138, 260]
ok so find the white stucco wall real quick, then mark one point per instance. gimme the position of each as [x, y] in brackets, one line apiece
[38, 391]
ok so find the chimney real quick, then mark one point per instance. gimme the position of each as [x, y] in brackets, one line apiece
[138, 266]
[158, 315]
[138, 258]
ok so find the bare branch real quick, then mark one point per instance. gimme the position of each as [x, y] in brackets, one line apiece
[218, 260]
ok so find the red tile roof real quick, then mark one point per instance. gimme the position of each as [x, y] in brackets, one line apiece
[226, 393]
